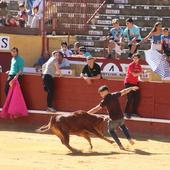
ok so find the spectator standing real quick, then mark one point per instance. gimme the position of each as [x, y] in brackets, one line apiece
[133, 72]
[91, 70]
[165, 40]
[29, 6]
[155, 34]
[49, 70]
[115, 39]
[37, 13]
[36, 18]
[16, 68]
[64, 49]
[132, 32]
[22, 15]
[39, 4]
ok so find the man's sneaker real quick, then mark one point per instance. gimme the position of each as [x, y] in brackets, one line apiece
[50, 109]
[135, 115]
[121, 147]
[127, 115]
[131, 141]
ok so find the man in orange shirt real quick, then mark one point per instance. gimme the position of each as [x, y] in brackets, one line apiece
[133, 72]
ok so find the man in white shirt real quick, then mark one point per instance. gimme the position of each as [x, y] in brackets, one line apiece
[38, 13]
[49, 70]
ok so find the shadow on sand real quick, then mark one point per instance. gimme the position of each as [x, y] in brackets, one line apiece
[100, 153]
[145, 153]
[127, 152]
[91, 154]
[141, 152]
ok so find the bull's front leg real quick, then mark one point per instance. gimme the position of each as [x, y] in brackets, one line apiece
[89, 140]
[73, 150]
[65, 141]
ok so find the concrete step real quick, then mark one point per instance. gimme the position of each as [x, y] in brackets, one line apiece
[80, 1]
[102, 52]
[113, 9]
[102, 42]
[127, 9]
[103, 30]
[149, 2]
[104, 19]
[135, 6]
[141, 21]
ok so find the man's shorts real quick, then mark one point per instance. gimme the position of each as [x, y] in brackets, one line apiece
[117, 47]
[114, 123]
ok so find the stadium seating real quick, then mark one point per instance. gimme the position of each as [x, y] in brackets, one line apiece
[71, 15]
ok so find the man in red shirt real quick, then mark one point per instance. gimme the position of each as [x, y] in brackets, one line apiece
[133, 72]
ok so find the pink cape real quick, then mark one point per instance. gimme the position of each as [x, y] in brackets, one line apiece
[14, 105]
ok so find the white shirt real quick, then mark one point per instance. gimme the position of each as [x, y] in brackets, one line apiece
[67, 53]
[50, 67]
[39, 4]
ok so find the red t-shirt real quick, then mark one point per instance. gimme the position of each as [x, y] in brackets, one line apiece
[133, 67]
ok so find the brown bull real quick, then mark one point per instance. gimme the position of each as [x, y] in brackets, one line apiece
[77, 123]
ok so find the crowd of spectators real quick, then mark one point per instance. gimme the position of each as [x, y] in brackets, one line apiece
[160, 41]
[76, 51]
[29, 15]
[159, 37]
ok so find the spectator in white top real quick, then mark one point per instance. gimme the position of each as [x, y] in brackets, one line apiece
[37, 13]
[65, 50]
[49, 70]
[39, 4]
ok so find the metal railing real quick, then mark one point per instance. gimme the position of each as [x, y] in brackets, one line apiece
[70, 16]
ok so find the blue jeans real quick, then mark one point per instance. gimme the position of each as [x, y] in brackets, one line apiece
[113, 124]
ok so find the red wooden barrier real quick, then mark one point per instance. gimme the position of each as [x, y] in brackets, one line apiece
[5, 60]
[74, 94]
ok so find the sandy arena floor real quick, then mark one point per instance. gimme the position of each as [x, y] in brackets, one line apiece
[27, 151]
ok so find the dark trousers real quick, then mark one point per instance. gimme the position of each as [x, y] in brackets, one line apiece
[49, 88]
[7, 86]
[133, 99]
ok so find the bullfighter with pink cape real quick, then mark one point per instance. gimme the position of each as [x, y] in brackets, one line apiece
[14, 106]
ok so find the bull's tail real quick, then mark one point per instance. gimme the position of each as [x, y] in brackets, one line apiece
[45, 128]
